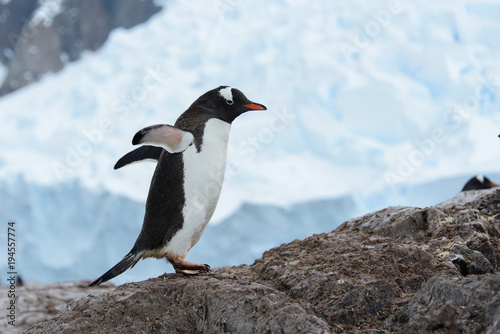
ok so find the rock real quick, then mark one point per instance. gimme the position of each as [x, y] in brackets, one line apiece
[461, 305]
[33, 57]
[401, 270]
[180, 304]
[36, 302]
[39, 47]
[465, 197]
[13, 16]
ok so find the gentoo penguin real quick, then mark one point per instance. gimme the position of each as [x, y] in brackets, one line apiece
[187, 180]
[479, 182]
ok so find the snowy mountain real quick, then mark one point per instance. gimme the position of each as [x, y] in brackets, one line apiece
[369, 103]
[41, 36]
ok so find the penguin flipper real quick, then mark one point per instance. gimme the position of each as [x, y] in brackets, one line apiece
[127, 262]
[142, 153]
[172, 139]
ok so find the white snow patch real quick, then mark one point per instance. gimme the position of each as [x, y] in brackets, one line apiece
[45, 13]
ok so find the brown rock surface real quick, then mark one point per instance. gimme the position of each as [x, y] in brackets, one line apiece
[401, 269]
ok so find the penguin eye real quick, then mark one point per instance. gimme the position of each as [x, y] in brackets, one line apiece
[229, 102]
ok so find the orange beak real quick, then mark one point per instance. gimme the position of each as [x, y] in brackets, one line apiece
[255, 106]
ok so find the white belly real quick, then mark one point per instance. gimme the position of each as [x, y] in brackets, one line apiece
[203, 177]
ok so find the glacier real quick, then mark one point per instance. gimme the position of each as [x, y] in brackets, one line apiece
[370, 104]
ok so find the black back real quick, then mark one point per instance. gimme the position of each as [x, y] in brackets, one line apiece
[164, 205]
[476, 184]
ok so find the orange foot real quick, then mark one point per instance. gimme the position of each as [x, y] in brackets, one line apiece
[188, 268]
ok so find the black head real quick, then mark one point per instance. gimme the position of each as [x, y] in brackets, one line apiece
[479, 182]
[225, 103]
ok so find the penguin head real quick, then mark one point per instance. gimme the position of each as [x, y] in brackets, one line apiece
[479, 182]
[226, 103]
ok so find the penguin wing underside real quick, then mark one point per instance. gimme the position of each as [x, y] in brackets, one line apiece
[143, 153]
[172, 139]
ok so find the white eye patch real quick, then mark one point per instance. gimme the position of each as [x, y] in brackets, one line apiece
[227, 94]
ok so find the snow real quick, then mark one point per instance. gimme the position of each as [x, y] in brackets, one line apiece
[47, 10]
[370, 104]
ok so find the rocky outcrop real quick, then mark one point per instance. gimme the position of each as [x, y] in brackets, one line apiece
[179, 304]
[13, 16]
[41, 38]
[401, 270]
[464, 197]
[36, 302]
[465, 305]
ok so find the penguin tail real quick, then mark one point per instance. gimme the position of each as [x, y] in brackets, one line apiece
[127, 262]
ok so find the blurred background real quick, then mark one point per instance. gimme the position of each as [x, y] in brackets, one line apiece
[370, 104]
